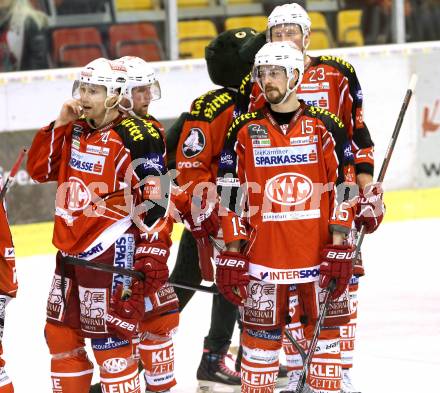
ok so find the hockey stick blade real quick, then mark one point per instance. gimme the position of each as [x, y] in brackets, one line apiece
[133, 273]
[13, 172]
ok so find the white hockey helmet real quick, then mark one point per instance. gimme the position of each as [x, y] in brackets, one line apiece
[139, 73]
[280, 55]
[291, 13]
[110, 74]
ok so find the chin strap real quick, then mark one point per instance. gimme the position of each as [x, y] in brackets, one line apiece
[107, 109]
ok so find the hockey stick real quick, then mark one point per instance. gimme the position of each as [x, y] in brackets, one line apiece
[13, 172]
[326, 301]
[389, 152]
[134, 274]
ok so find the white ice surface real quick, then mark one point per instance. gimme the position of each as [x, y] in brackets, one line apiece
[398, 346]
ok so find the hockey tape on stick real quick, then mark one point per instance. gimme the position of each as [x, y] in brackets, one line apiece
[13, 172]
[134, 274]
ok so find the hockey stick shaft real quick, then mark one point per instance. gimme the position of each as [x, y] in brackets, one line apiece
[133, 273]
[13, 172]
[390, 149]
[383, 169]
[295, 343]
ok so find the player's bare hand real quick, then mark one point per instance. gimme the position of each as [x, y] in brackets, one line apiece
[70, 111]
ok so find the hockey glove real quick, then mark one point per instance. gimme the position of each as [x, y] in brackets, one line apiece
[232, 276]
[370, 208]
[336, 263]
[202, 226]
[151, 260]
[124, 314]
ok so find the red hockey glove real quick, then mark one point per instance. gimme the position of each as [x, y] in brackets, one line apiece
[202, 226]
[232, 276]
[336, 263]
[124, 314]
[370, 208]
[151, 259]
[205, 250]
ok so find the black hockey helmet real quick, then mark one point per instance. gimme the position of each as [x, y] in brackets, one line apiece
[225, 66]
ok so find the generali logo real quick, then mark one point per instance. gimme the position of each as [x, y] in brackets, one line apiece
[429, 124]
[289, 189]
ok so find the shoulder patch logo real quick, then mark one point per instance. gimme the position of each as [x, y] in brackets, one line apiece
[155, 162]
[194, 143]
[257, 131]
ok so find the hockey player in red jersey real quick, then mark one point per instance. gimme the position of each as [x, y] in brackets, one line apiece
[8, 286]
[289, 159]
[202, 134]
[111, 207]
[330, 83]
[156, 347]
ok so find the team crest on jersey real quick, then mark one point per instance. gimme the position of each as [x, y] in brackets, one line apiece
[257, 131]
[194, 143]
[78, 195]
[289, 189]
[93, 303]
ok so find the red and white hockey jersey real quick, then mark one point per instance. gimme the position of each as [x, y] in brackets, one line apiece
[8, 279]
[290, 178]
[107, 179]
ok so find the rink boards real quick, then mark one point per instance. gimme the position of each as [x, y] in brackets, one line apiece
[29, 100]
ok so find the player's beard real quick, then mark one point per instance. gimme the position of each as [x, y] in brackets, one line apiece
[273, 95]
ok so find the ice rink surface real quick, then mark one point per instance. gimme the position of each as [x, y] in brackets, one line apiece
[398, 346]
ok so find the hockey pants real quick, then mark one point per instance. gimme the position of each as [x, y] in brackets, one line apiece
[223, 313]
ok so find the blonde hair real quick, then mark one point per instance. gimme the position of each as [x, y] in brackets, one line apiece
[23, 9]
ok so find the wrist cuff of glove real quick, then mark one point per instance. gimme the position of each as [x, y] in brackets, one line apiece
[152, 249]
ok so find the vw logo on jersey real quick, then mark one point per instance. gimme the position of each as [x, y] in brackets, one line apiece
[194, 143]
[289, 189]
